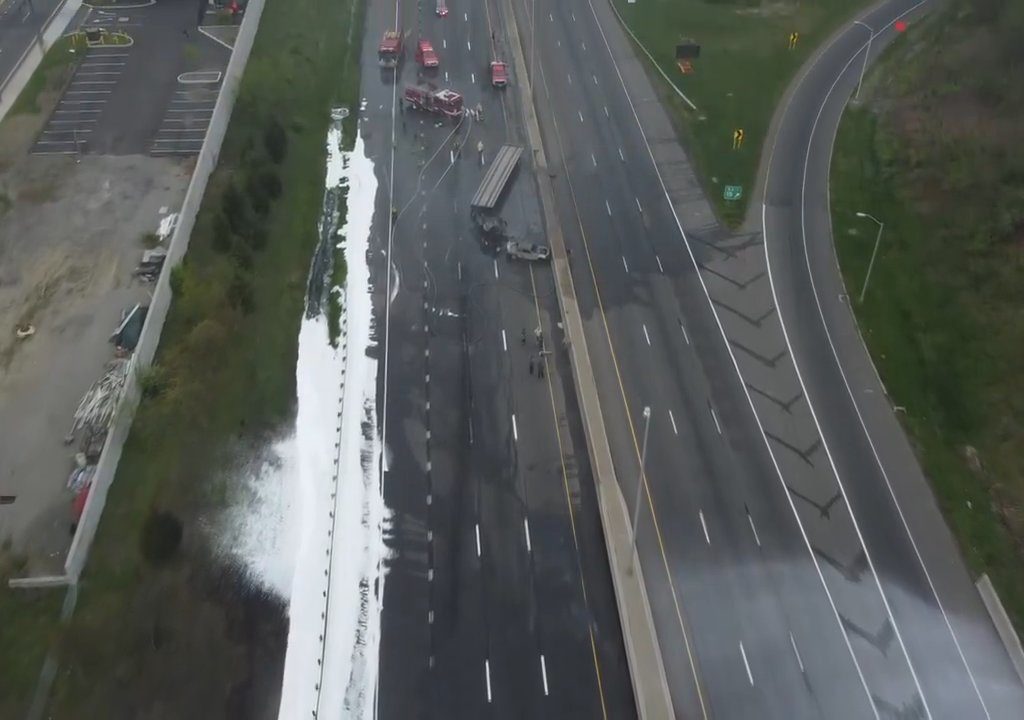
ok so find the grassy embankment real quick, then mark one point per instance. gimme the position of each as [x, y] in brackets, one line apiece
[744, 67]
[937, 153]
[159, 628]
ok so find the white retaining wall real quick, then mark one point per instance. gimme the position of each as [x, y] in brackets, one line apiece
[158, 307]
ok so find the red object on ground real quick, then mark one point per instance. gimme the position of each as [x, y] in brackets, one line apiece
[899, 26]
[425, 55]
[78, 504]
[499, 74]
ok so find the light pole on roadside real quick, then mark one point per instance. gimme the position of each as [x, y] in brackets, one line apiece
[640, 479]
[533, 36]
[867, 53]
[874, 252]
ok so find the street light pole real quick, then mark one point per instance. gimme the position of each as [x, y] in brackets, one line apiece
[867, 53]
[874, 252]
[640, 479]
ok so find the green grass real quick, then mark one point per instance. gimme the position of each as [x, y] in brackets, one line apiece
[743, 69]
[942, 315]
[53, 72]
[28, 621]
[171, 639]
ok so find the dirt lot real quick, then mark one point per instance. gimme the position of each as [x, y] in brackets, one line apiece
[71, 233]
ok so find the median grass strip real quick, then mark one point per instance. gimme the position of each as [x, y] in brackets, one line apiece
[744, 67]
[936, 154]
[161, 628]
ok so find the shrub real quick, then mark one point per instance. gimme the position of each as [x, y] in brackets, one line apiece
[276, 140]
[240, 292]
[221, 233]
[177, 280]
[236, 209]
[161, 537]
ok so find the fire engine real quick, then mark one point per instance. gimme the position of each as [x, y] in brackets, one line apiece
[390, 50]
[433, 100]
[425, 54]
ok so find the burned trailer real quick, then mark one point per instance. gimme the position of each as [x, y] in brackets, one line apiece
[483, 208]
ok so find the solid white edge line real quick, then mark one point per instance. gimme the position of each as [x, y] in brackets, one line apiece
[750, 675]
[842, 373]
[739, 375]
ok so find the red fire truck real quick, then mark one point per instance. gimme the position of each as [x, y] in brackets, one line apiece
[425, 55]
[390, 50]
[428, 98]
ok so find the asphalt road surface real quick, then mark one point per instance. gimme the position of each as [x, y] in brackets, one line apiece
[498, 601]
[775, 593]
[20, 23]
[962, 667]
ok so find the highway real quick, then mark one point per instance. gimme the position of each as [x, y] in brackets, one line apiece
[497, 602]
[775, 592]
[20, 23]
[962, 666]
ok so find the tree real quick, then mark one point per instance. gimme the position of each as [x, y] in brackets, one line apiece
[276, 140]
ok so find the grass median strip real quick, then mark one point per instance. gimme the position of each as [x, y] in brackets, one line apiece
[935, 155]
[746, 61]
[160, 627]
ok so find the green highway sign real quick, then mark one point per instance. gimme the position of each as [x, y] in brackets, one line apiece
[732, 192]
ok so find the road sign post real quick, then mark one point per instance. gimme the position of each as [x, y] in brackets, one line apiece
[737, 138]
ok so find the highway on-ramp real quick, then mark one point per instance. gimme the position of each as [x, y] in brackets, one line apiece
[962, 667]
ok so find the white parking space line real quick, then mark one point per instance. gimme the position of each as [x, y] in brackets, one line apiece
[673, 419]
[179, 141]
[743, 652]
[705, 526]
[98, 73]
[76, 83]
[76, 112]
[72, 122]
[87, 92]
[183, 131]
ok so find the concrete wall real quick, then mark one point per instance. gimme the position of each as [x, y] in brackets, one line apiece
[150, 338]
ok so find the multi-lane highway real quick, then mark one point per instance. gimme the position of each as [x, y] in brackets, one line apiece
[782, 582]
[497, 602]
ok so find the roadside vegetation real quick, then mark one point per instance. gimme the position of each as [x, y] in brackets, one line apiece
[936, 151]
[161, 628]
[52, 74]
[744, 67]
